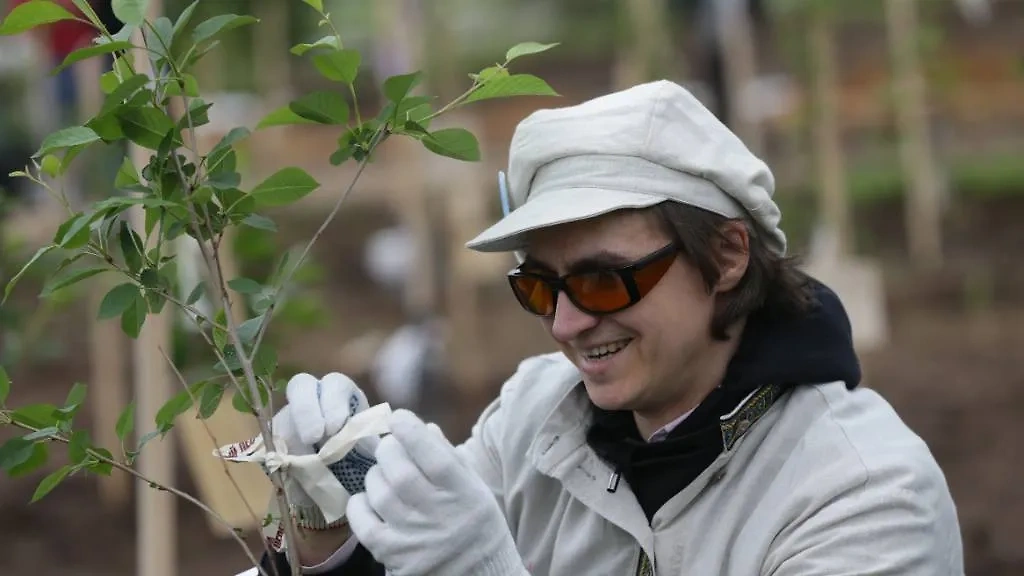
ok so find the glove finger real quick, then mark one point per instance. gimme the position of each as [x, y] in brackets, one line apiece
[366, 525]
[305, 408]
[399, 471]
[429, 451]
[285, 429]
[383, 497]
[339, 399]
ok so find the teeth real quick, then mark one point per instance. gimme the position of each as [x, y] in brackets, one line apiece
[606, 349]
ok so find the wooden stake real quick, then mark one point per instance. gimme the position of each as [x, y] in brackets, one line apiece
[156, 512]
[106, 341]
[923, 210]
[740, 62]
[828, 135]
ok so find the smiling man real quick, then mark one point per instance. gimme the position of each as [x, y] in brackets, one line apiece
[704, 415]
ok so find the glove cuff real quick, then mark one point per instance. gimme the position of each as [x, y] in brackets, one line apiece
[311, 518]
[506, 562]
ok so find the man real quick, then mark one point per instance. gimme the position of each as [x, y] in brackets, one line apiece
[703, 415]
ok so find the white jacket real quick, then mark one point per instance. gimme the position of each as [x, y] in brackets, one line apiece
[823, 482]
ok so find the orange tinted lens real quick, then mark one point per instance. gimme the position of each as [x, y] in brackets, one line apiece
[598, 291]
[649, 275]
[534, 294]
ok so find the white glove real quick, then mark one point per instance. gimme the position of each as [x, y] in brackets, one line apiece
[425, 512]
[317, 410]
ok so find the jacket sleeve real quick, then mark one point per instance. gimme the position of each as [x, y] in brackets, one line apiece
[896, 523]
[361, 563]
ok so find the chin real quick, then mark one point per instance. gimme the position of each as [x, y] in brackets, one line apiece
[610, 395]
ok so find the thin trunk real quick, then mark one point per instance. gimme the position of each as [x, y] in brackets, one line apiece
[923, 208]
[828, 136]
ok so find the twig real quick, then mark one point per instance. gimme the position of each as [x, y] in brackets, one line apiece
[154, 484]
[224, 463]
[316, 236]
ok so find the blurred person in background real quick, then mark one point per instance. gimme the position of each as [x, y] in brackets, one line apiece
[704, 414]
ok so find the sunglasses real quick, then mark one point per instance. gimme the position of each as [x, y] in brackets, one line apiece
[598, 291]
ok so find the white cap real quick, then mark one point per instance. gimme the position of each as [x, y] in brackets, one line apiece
[630, 149]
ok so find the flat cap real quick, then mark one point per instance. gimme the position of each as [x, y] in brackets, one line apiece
[635, 148]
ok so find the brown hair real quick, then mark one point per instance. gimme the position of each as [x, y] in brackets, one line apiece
[770, 280]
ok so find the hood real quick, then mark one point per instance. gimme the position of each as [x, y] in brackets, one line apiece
[777, 347]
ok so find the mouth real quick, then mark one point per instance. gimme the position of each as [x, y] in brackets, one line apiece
[607, 350]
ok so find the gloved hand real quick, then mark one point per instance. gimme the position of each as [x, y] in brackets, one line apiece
[317, 410]
[425, 512]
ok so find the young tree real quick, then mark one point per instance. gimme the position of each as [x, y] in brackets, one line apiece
[181, 192]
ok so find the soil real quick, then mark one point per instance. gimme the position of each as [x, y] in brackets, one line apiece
[952, 370]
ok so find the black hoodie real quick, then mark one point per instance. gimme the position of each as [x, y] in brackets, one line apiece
[777, 347]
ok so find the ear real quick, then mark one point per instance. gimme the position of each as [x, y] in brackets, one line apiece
[733, 254]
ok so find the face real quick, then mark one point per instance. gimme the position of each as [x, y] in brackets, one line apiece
[639, 358]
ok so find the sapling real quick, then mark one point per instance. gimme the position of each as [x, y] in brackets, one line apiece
[152, 101]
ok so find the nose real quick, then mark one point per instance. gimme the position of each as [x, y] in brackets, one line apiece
[569, 321]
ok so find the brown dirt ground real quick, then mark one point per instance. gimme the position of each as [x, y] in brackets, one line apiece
[953, 372]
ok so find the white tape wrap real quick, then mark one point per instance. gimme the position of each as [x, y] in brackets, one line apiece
[310, 471]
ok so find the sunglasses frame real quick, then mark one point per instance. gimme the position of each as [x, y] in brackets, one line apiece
[626, 273]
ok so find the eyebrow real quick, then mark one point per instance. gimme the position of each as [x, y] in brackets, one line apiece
[600, 259]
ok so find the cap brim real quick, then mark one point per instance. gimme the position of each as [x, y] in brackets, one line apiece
[554, 208]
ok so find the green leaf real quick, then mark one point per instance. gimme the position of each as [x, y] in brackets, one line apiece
[42, 434]
[51, 165]
[31, 14]
[527, 48]
[124, 91]
[397, 87]
[146, 127]
[264, 363]
[54, 285]
[225, 144]
[322, 107]
[15, 452]
[515, 85]
[5, 385]
[210, 400]
[36, 415]
[317, 5]
[36, 459]
[90, 51]
[47, 484]
[74, 232]
[247, 330]
[131, 247]
[329, 42]
[76, 395]
[134, 316]
[178, 33]
[125, 422]
[86, 9]
[283, 116]
[260, 222]
[172, 409]
[220, 337]
[284, 187]
[127, 176]
[340, 66]
[188, 86]
[118, 299]
[241, 403]
[78, 446]
[39, 254]
[130, 11]
[457, 143]
[196, 294]
[102, 467]
[73, 136]
[245, 285]
[220, 24]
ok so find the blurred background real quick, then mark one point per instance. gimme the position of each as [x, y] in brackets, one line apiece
[894, 128]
